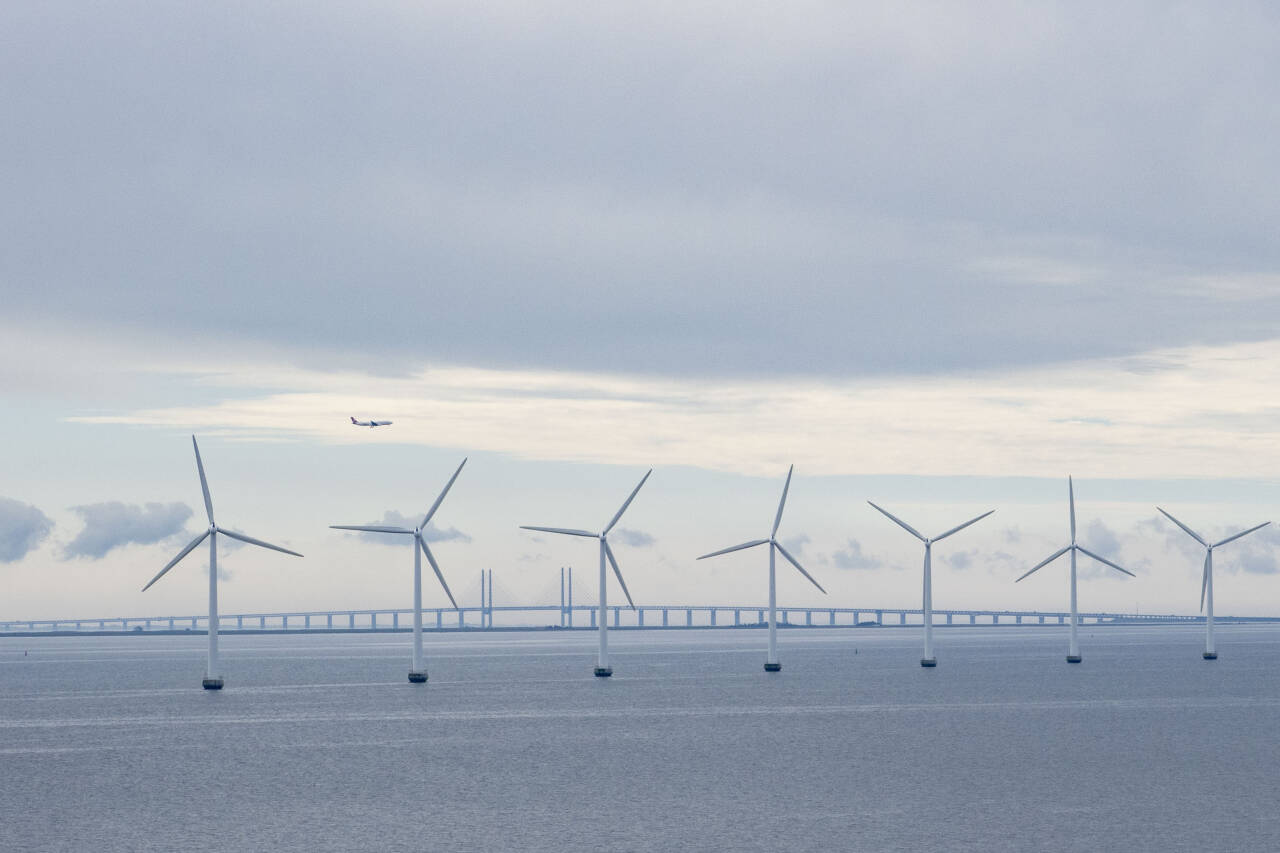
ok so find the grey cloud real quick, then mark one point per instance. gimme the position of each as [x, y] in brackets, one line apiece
[632, 538]
[392, 518]
[961, 560]
[1011, 535]
[113, 524]
[795, 544]
[1255, 554]
[851, 557]
[1101, 539]
[724, 178]
[22, 528]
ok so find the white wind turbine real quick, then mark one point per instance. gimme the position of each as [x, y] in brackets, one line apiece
[418, 673]
[603, 670]
[212, 677]
[771, 663]
[928, 659]
[1073, 652]
[1206, 581]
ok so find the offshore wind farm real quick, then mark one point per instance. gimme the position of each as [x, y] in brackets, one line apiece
[440, 276]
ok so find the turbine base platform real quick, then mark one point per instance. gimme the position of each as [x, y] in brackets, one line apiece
[773, 667]
[1074, 659]
[417, 678]
[211, 684]
[604, 671]
[928, 662]
[1210, 655]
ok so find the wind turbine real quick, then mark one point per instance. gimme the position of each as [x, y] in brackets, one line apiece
[212, 676]
[1073, 652]
[1206, 581]
[603, 670]
[928, 659]
[418, 674]
[771, 663]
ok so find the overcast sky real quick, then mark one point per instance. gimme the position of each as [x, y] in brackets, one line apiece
[936, 255]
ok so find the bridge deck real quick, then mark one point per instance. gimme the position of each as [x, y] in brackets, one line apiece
[584, 616]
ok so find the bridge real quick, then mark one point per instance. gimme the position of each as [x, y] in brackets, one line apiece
[581, 616]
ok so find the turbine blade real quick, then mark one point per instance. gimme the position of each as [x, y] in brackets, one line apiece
[184, 552]
[369, 528]
[585, 533]
[1046, 562]
[1086, 551]
[777, 519]
[1185, 529]
[608, 552]
[257, 542]
[436, 568]
[899, 522]
[799, 568]
[204, 483]
[1071, 497]
[963, 526]
[1238, 535]
[1204, 579]
[447, 486]
[625, 504]
[750, 544]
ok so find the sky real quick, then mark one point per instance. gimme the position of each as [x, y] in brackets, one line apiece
[938, 256]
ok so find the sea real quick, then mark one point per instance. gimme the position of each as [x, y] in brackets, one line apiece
[319, 743]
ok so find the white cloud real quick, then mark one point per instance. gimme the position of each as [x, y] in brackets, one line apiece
[1172, 413]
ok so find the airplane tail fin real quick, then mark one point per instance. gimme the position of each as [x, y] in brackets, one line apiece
[353, 420]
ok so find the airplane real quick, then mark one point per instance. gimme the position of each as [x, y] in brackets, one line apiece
[370, 423]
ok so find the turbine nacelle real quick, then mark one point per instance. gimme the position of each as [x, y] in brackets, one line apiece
[419, 539]
[772, 541]
[602, 537]
[1073, 547]
[1209, 548]
[213, 530]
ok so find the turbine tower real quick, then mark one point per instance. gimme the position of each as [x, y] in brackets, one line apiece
[418, 672]
[1073, 651]
[928, 659]
[603, 670]
[212, 676]
[1206, 581]
[771, 663]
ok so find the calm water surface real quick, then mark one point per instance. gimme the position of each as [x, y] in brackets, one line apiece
[319, 742]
